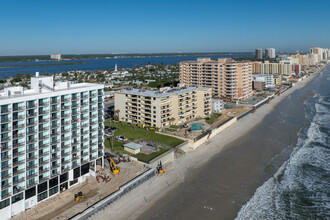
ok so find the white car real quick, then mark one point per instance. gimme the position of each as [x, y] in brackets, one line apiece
[121, 138]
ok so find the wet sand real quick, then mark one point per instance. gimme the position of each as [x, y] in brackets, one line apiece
[216, 179]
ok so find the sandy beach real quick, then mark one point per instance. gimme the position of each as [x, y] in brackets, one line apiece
[133, 204]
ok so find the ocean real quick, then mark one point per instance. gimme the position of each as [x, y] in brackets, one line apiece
[300, 189]
[99, 64]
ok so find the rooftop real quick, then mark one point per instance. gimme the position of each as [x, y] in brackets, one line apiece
[133, 146]
[42, 85]
[163, 92]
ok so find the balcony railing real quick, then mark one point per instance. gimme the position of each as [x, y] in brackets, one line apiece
[20, 108]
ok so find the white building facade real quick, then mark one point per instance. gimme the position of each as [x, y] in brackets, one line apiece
[218, 105]
[265, 78]
[51, 139]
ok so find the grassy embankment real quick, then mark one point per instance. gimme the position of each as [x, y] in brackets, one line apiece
[132, 133]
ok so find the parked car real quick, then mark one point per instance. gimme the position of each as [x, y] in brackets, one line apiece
[121, 138]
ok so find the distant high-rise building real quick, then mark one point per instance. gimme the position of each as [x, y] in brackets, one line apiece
[270, 53]
[259, 54]
[226, 77]
[55, 57]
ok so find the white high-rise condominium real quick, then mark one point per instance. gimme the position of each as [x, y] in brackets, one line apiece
[270, 53]
[51, 137]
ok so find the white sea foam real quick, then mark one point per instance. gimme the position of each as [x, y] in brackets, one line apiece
[299, 189]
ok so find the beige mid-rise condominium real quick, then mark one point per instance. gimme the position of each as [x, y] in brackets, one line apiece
[164, 107]
[228, 78]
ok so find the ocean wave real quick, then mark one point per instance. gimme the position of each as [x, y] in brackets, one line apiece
[300, 188]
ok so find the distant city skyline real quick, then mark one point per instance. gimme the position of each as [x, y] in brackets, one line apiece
[105, 27]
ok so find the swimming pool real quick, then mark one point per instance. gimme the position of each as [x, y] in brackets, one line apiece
[196, 126]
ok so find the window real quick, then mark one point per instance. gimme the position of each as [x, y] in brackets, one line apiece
[4, 203]
[64, 177]
[42, 187]
[73, 182]
[16, 198]
[53, 191]
[42, 196]
[84, 168]
[53, 182]
[76, 173]
[30, 192]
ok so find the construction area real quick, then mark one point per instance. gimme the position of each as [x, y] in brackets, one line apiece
[80, 197]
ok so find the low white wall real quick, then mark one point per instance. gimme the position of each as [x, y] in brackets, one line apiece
[215, 131]
[223, 127]
[166, 157]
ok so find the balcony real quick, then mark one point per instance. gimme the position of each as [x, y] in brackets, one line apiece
[29, 106]
[19, 117]
[93, 101]
[54, 109]
[65, 146]
[30, 115]
[16, 181]
[84, 139]
[7, 176]
[75, 150]
[31, 184]
[4, 120]
[43, 112]
[32, 149]
[65, 115]
[63, 170]
[43, 145]
[4, 139]
[16, 127]
[55, 141]
[83, 103]
[75, 165]
[16, 145]
[54, 134]
[43, 120]
[54, 158]
[31, 158]
[46, 128]
[84, 96]
[65, 107]
[18, 108]
[16, 154]
[18, 162]
[31, 141]
[53, 101]
[43, 162]
[43, 153]
[65, 138]
[54, 118]
[75, 135]
[74, 128]
[65, 131]
[54, 166]
[84, 110]
[65, 154]
[74, 113]
[5, 186]
[43, 104]
[42, 171]
[31, 176]
[31, 123]
[43, 137]
[17, 172]
[56, 125]
[30, 132]
[5, 158]
[43, 179]
[93, 157]
[64, 99]
[54, 175]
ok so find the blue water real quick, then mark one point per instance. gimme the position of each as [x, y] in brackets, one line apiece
[98, 64]
[301, 187]
[196, 126]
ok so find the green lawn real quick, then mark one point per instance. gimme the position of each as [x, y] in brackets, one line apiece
[132, 133]
[117, 148]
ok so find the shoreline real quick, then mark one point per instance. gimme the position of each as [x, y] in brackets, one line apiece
[153, 190]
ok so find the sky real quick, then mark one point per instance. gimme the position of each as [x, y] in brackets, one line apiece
[41, 27]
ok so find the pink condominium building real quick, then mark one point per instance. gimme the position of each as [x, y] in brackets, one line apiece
[228, 78]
